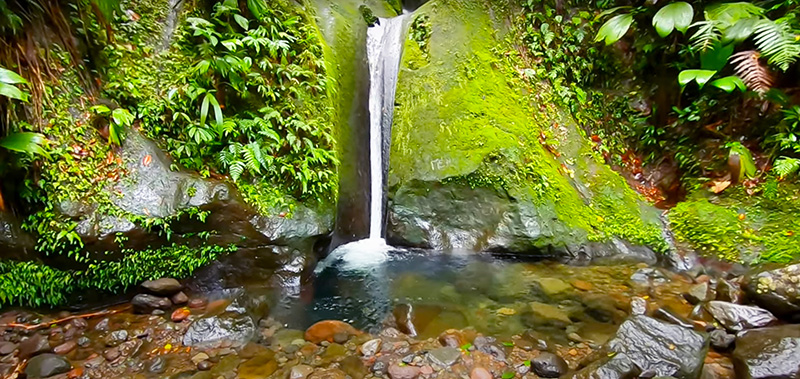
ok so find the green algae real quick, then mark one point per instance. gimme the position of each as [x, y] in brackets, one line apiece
[465, 113]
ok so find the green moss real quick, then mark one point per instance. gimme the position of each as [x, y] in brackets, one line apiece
[738, 227]
[467, 114]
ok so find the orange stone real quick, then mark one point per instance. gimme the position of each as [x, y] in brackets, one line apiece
[326, 330]
[582, 285]
[180, 314]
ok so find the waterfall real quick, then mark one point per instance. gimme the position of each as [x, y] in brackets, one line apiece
[384, 46]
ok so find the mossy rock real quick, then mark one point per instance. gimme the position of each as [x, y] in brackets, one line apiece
[509, 171]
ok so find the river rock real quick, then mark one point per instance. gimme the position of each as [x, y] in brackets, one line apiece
[163, 286]
[47, 365]
[300, 372]
[777, 290]
[179, 298]
[212, 331]
[157, 365]
[397, 371]
[7, 348]
[546, 314]
[36, 344]
[665, 349]
[699, 293]
[327, 330]
[116, 337]
[549, 365]
[444, 356]
[721, 340]
[480, 373]
[729, 291]
[145, 303]
[371, 347]
[768, 353]
[737, 317]
[65, 347]
[618, 366]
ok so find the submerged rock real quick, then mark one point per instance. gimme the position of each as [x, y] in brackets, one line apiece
[772, 353]
[737, 317]
[327, 331]
[655, 346]
[47, 365]
[211, 331]
[549, 365]
[777, 290]
[444, 356]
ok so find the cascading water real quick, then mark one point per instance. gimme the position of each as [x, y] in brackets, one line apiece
[384, 47]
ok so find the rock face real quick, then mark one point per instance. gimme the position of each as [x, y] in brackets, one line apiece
[737, 317]
[654, 346]
[209, 331]
[777, 291]
[14, 242]
[47, 365]
[768, 353]
[151, 189]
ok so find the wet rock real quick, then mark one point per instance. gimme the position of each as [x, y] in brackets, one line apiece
[83, 341]
[163, 286]
[116, 337]
[7, 348]
[47, 365]
[65, 348]
[737, 317]
[768, 353]
[353, 367]
[213, 331]
[145, 303]
[546, 314]
[444, 356]
[34, 345]
[157, 365]
[582, 285]
[649, 274]
[489, 345]
[112, 354]
[729, 291]
[721, 340]
[619, 366]
[480, 373]
[777, 291]
[452, 338]
[699, 293]
[549, 365]
[326, 330]
[180, 314]
[371, 347]
[258, 367]
[179, 298]
[638, 306]
[667, 350]
[205, 365]
[300, 372]
[396, 371]
[102, 325]
[197, 303]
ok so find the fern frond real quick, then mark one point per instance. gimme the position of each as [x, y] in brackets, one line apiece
[236, 170]
[777, 43]
[708, 32]
[748, 67]
[785, 166]
[250, 152]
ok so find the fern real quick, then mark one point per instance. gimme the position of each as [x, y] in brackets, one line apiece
[748, 67]
[777, 43]
[785, 166]
[707, 34]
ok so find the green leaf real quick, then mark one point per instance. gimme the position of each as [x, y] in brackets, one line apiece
[731, 13]
[11, 77]
[204, 108]
[613, 30]
[740, 31]
[241, 21]
[508, 375]
[700, 76]
[217, 110]
[673, 16]
[25, 142]
[746, 162]
[12, 92]
[730, 84]
[716, 57]
[122, 117]
[107, 8]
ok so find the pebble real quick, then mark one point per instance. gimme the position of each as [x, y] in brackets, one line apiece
[204, 365]
[371, 347]
[65, 347]
[7, 348]
[397, 371]
[111, 354]
[300, 372]
[180, 314]
[199, 357]
[179, 298]
[480, 373]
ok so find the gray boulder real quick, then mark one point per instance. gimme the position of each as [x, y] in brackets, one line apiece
[772, 353]
[14, 242]
[660, 348]
[145, 303]
[737, 317]
[776, 290]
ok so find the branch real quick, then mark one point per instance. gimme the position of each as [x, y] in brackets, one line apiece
[62, 320]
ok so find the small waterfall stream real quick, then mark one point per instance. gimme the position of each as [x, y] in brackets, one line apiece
[384, 46]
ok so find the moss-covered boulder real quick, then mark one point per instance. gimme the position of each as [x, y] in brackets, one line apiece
[14, 242]
[481, 159]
